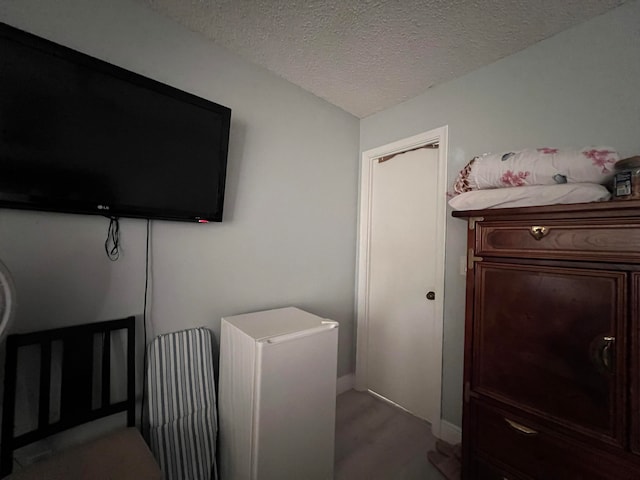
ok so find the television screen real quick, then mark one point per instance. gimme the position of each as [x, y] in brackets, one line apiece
[80, 135]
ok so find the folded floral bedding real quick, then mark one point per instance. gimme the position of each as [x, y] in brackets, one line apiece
[535, 167]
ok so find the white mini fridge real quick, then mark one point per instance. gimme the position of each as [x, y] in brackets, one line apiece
[277, 396]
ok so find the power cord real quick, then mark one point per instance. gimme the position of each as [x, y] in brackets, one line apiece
[112, 247]
[112, 243]
[144, 326]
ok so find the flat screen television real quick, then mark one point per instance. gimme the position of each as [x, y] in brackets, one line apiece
[80, 135]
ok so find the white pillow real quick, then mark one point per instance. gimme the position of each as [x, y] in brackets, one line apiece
[530, 196]
[541, 166]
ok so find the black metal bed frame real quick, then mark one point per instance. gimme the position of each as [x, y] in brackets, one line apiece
[76, 389]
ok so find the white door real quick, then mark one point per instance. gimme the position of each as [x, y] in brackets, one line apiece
[402, 269]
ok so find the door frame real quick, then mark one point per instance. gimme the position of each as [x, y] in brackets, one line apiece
[440, 136]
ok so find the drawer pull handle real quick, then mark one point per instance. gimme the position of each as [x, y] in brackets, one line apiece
[521, 428]
[603, 355]
[607, 353]
[538, 232]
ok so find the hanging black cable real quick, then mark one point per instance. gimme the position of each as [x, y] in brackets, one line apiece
[144, 326]
[112, 243]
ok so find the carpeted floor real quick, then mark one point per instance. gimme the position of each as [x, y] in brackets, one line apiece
[447, 459]
[377, 441]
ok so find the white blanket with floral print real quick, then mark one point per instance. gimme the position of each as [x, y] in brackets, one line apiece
[541, 166]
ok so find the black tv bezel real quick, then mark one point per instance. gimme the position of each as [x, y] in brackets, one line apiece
[113, 210]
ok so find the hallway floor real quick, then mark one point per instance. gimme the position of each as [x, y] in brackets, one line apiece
[377, 441]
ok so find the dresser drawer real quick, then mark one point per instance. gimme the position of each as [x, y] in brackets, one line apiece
[596, 240]
[484, 471]
[513, 443]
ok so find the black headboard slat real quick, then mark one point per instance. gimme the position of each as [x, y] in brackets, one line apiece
[45, 384]
[77, 372]
[8, 407]
[131, 370]
[106, 367]
[76, 390]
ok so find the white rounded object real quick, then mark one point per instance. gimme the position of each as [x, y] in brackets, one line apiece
[7, 299]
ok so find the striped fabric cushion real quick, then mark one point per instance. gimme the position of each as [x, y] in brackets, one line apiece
[182, 404]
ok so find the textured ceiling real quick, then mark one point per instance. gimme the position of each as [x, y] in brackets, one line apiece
[367, 55]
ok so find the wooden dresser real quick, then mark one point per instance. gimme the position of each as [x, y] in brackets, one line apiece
[552, 343]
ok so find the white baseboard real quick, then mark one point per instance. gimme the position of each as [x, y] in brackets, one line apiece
[450, 433]
[345, 383]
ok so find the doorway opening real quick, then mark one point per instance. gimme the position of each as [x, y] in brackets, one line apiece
[400, 277]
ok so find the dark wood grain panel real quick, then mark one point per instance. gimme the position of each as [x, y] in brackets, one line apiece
[537, 316]
[487, 471]
[563, 240]
[537, 343]
[467, 438]
[540, 453]
[634, 380]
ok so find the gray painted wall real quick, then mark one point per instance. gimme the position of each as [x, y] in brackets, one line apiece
[289, 231]
[575, 89]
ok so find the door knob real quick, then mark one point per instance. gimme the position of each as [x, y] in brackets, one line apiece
[431, 295]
